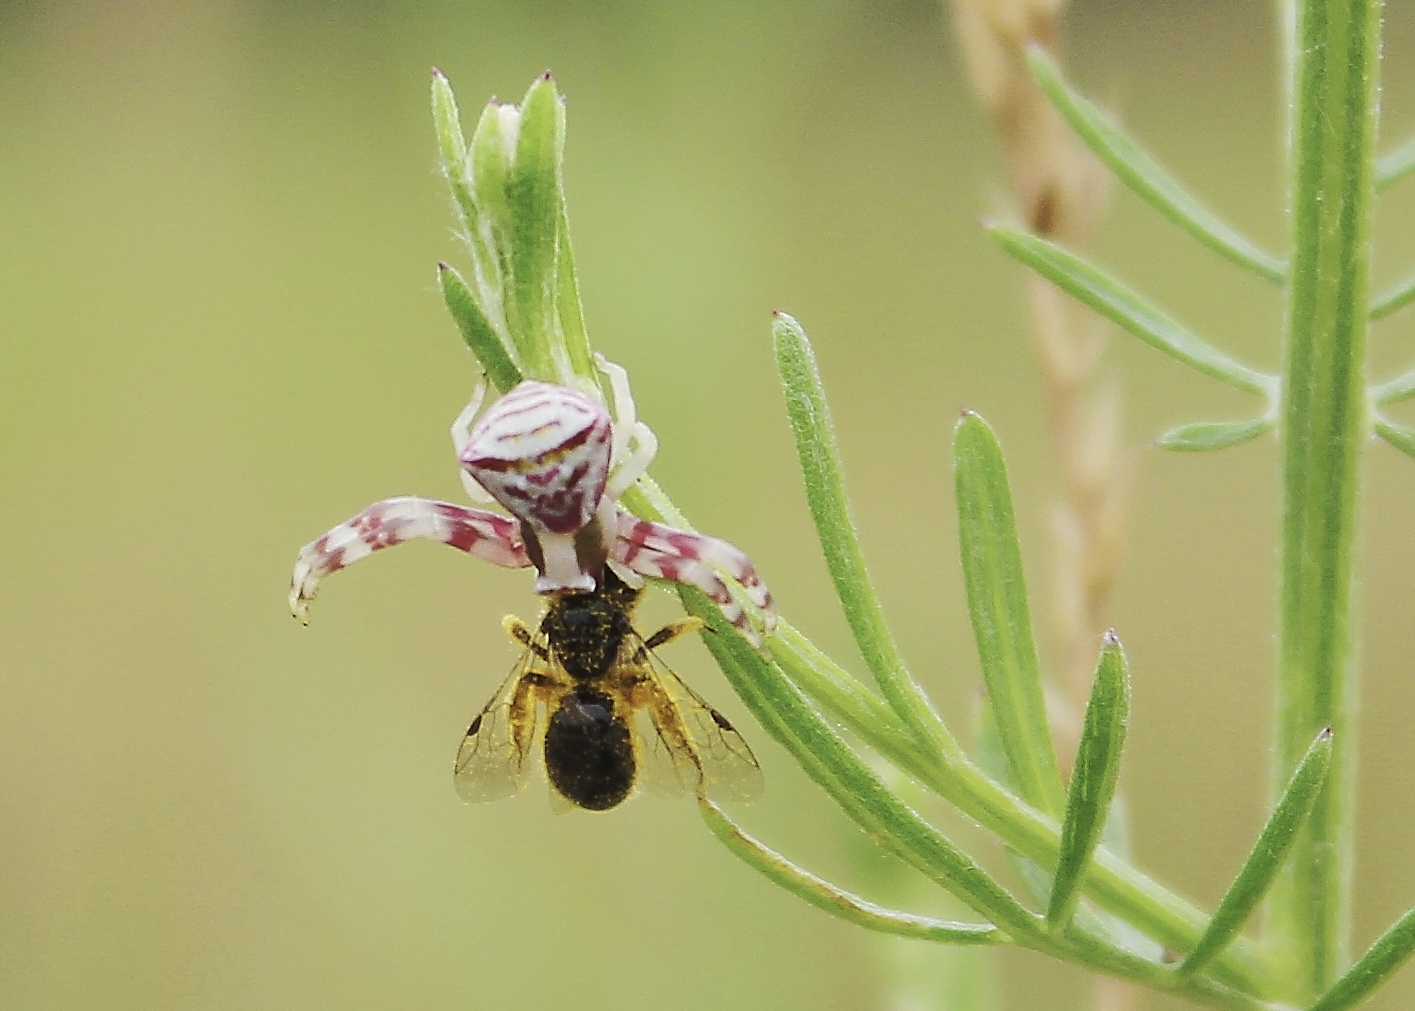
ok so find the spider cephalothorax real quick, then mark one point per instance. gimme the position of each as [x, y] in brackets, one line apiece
[552, 457]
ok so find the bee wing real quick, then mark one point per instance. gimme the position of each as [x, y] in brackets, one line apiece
[668, 767]
[692, 743]
[494, 757]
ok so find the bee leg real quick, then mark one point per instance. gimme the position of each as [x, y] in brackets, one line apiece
[668, 724]
[532, 688]
[521, 633]
[493, 538]
[674, 630]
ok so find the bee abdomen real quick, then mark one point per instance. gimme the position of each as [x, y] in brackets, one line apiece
[589, 752]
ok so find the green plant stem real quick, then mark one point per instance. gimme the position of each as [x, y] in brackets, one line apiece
[822, 894]
[1402, 437]
[1323, 430]
[786, 714]
[1113, 883]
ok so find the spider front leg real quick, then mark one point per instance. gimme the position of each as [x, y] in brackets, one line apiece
[663, 552]
[462, 437]
[625, 467]
[493, 538]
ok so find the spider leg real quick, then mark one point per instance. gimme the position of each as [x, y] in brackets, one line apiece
[625, 467]
[493, 538]
[629, 469]
[461, 436]
[663, 552]
[715, 552]
[624, 415]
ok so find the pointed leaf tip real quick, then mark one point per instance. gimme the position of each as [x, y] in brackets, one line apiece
[1093, 780]
[1267, 857]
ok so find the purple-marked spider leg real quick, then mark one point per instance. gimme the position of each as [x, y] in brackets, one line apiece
[692, 573]
[494, 538]
[711, 550]
[663, 552]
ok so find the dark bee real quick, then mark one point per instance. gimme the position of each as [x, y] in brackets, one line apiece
[617, 718]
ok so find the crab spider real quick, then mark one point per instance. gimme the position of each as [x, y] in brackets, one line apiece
[556, 461]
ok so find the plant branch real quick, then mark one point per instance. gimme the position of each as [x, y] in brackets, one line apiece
[1323, 430]
[1127, 309]
[1138, 169]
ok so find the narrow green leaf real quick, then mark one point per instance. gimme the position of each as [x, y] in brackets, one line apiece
[1268, 855]
[533, 196]
[497, 359]
[1391, 950]
[489, 236]
[1112, 883]
[1093, 778]
[1208, 435]
[825, 493]
[1393, 391]
[786, 714]
[1393, 299]
[569, 311]
[1126, 309]
[1394, 166]
[835, 900]
[492, 150]
[451, 146]
[1139, 170]
[1399, 436]
[1002, 623]
[1036, 879]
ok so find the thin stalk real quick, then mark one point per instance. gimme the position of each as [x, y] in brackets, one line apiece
[1393, 299]
[1113, 883]
[834, 900]
[1324, 422]
[1395, 165]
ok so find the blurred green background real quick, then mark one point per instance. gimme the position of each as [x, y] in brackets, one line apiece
[218, 230]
